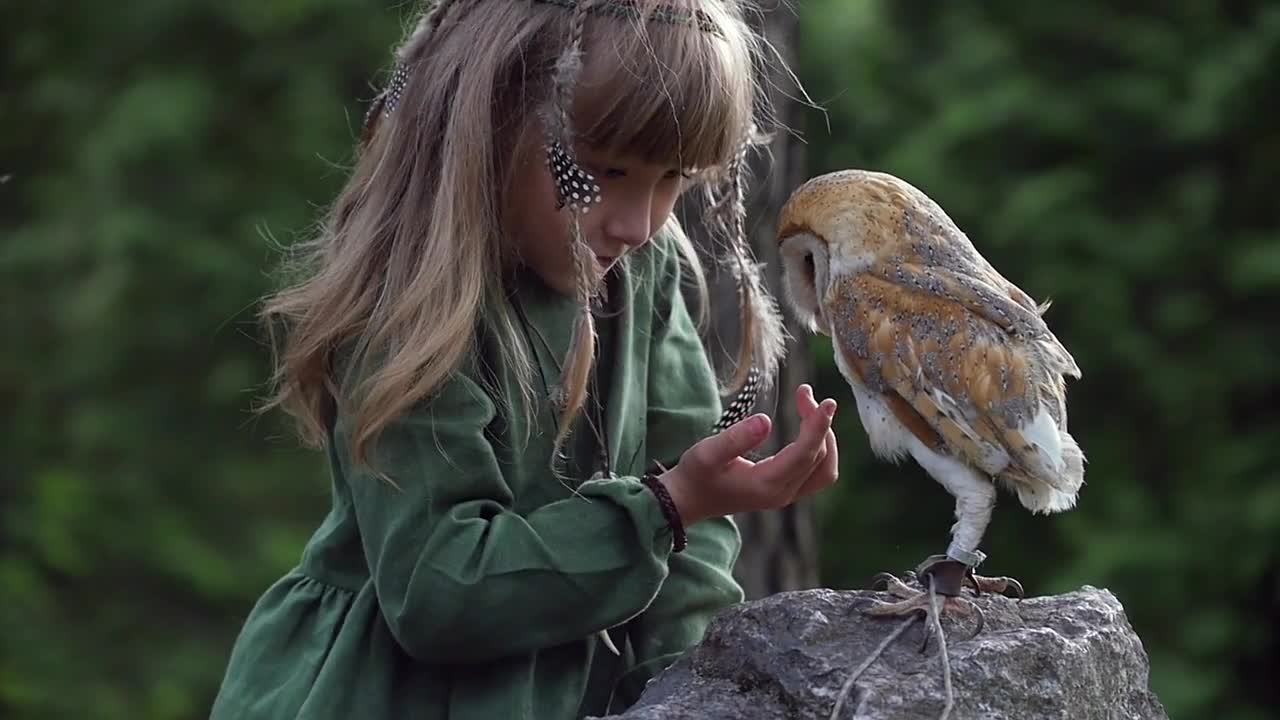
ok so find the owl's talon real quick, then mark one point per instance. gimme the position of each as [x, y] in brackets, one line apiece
[919, 601]
[970, 578]
[890, 582]
[901, 608]
[1006, 586]
[1017, 588]
[982, 618]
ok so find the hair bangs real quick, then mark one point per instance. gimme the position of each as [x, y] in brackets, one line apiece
[666, 92]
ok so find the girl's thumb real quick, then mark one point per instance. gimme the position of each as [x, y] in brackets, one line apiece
[739, 438]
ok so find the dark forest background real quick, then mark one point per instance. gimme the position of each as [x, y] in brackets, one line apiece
[1124, 163]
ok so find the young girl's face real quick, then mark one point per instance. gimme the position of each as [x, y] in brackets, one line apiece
[637, 197]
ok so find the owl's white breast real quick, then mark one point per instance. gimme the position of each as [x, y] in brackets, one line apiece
[889, 438]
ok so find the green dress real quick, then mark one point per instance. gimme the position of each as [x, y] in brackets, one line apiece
[479, 588]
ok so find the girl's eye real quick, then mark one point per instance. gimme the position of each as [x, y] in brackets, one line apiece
[604, 172]
[684, 174]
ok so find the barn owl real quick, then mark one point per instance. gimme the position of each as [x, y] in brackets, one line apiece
[950, 363]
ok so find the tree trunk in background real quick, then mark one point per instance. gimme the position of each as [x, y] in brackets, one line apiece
[780, 548]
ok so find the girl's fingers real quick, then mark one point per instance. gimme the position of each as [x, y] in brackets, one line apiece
[805, 402]
[736, 440]
[833, 455]
[826, 472]
[794, 463]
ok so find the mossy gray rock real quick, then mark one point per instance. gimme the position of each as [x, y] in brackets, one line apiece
[787, 656]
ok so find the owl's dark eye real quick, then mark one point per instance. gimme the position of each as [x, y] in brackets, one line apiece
[809, 269]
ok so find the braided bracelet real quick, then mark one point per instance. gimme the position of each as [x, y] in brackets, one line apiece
[669, 511]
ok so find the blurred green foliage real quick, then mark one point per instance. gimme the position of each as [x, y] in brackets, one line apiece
[149, 148]
[1123, 162]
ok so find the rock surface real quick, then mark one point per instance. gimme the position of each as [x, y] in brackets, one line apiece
[787, 656]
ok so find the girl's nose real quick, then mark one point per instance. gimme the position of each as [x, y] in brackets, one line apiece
[628, 222]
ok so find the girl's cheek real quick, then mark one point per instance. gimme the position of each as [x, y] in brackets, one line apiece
[663, 209]
[591, 223]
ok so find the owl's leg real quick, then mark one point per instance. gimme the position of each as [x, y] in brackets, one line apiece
[975, 500]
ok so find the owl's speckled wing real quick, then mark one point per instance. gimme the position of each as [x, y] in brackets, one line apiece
[932, 336]
[964, 366]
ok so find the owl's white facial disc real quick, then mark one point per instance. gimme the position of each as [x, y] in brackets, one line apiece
[806, 274]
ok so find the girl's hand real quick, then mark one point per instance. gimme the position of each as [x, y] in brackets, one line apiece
[713, 479]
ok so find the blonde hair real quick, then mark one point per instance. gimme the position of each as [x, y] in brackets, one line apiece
[419, 227]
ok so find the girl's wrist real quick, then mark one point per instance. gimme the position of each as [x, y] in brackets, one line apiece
[674, 505]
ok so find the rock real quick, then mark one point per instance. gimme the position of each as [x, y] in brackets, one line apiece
[787, 656]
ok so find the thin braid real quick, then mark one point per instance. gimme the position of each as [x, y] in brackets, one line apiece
[577, 367]
[565, 77]
[427, 25]
[577, 25]
[763, 339]
[737, 236]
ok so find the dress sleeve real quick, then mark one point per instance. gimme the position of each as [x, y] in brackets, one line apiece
[461, 577]
[683, 405]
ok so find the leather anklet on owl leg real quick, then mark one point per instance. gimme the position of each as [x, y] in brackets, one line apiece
[948, 574]
[954, 572]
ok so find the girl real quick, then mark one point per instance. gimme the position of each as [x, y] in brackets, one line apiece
[491, 343]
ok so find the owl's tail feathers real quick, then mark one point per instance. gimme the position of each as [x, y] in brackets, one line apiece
[1059, 494]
